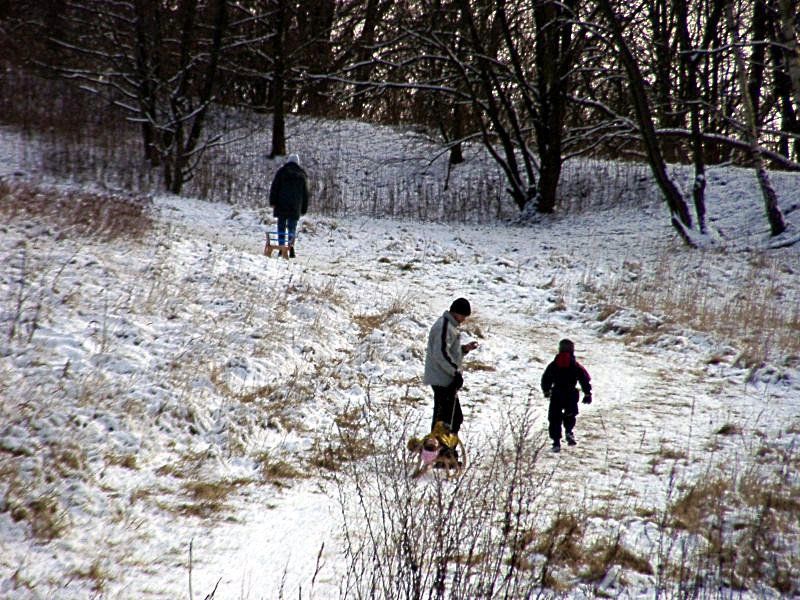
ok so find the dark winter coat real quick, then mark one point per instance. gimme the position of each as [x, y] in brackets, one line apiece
[288, 195]
[561, 376]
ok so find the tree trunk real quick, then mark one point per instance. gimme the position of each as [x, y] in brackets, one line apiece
[549, 176]
[278, 88]
[782, 87]
[788, 12]
[363, 47]
[147, 71]
[680, 217]
[553, 23]
[314, 30]
[498, 108]
[774, 215]
[757, 58]
[210, 78]
[690, 62]
[787, 35]
[663, 66]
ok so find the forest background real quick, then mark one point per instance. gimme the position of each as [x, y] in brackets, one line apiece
[538, 83]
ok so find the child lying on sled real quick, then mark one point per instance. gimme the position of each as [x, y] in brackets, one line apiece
[438, 449]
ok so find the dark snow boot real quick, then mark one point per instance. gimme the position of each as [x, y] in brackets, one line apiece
[291, 251]
[571, 439]
[556, 446]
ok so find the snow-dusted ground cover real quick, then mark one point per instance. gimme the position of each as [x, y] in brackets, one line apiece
[173, 403]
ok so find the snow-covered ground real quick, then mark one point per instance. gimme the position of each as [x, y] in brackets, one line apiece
[168, 401]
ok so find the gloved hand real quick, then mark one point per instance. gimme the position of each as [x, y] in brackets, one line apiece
[546, 393]
[458, 381]
[587, 398]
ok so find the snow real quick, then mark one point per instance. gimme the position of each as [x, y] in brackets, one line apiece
[149, 384]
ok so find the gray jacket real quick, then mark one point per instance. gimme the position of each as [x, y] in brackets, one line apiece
[444, 354]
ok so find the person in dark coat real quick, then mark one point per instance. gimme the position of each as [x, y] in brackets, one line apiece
[558, 384]
[288, 197]
[443, 359]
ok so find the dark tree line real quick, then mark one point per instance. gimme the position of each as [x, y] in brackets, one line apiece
[536, 81]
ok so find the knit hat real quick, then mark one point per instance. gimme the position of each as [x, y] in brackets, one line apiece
[566, 346]
[461, 306]
[294, 158]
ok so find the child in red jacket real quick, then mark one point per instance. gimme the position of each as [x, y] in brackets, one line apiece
[558, 384]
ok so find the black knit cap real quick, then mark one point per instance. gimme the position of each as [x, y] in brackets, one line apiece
[566, 346]
[461, 307]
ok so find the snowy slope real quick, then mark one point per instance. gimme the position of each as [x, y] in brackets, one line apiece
[158, 392]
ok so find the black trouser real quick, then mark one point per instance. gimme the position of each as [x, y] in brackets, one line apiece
[447, 408]
[563, 409]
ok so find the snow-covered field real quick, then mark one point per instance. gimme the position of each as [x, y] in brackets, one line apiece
[171, 402]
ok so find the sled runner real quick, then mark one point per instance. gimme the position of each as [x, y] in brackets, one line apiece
[273, 244]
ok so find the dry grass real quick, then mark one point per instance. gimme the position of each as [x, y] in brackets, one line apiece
[349, 445]
[76, 214]
[95, 572]
[729, 429]
[756, 309]
[186, 466]
[276, 471]
[30, 493]
[367, 323]
[128, 461]
[744, 526]
[209, 497]
[609, 552]
[44, 514]
[477, 365]
[560, 543]
[691, 511]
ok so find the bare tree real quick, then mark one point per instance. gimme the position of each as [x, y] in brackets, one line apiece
[788, 10]
[282, 55]
[691, 57]
[158, 63]
[785, 55]
[680, 217]
[494, 70]
[277, 90]
[774, 215]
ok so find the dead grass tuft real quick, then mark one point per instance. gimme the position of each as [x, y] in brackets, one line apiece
[128, 461]
[701, 500]
[96, 573]
[368, 323]
[76, 214]
[45, 516]
[560, 543]
[609, 552]
[347, 445]
[755, 310]
[729, 429]
[209, 497]
[667, 453]
[332, 455]
[185, 466]
[276, 471]
[476, 365]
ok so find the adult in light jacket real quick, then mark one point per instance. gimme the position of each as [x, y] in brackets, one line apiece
[443, 360]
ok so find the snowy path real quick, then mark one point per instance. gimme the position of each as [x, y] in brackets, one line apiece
[653, 407]
[657, 403]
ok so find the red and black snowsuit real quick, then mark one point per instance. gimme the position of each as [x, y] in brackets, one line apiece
[558, 383]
